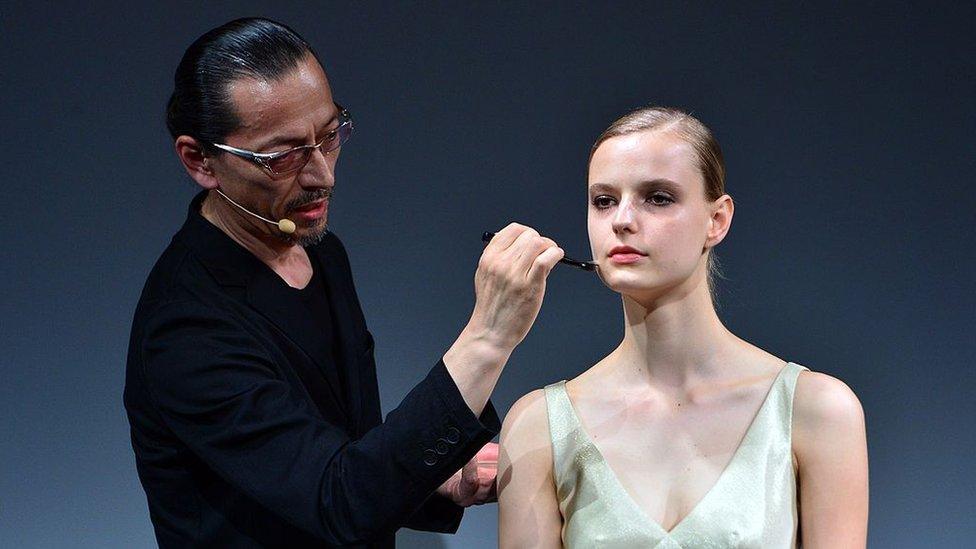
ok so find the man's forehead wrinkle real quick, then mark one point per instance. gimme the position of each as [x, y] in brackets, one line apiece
[252, 90]
[254, 100]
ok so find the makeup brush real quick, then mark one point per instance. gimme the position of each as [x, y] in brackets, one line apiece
[584, 265]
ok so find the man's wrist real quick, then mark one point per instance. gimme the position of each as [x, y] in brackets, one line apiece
[478, 349]
[475, 363]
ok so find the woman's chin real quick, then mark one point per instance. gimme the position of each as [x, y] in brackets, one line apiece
[631, 285]
[642, 287]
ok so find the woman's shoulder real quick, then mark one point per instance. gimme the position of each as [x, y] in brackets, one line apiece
[525, 436]
[529, 409]
[821, 398]
[529, 414]
[824, 409]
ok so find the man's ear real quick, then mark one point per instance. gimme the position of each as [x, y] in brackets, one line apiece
[196, 162]
[720, 222]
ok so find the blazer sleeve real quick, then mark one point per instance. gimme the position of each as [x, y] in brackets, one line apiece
[222, 396]
[437, 514]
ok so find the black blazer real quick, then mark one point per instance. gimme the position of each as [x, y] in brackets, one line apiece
[245, 432]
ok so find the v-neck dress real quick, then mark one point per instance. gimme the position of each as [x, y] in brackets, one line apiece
[751, 505]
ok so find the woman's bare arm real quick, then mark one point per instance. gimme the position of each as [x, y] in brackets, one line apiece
[528, 513]
[830, 445]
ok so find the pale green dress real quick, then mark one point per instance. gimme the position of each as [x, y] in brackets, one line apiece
[752, 505]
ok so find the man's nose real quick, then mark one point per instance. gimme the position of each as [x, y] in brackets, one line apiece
[320, 169]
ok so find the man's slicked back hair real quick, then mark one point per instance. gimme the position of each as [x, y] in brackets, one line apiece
[254, 48]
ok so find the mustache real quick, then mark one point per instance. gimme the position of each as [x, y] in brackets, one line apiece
[307, 197]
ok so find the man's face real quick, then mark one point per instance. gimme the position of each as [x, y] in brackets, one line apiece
[294, 110]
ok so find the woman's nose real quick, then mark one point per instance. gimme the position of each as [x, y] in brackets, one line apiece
[623, 218]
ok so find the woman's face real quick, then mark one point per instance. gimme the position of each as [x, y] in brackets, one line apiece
[648, 218]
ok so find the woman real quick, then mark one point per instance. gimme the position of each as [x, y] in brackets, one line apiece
[684, 435]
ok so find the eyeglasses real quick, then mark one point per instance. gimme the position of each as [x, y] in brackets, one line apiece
[294, 159]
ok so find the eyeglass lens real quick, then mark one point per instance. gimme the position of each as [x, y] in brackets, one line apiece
[296, 159]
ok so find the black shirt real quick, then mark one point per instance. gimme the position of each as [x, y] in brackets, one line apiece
[318, 304]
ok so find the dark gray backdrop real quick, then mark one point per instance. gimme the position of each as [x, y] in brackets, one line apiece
[847, 133]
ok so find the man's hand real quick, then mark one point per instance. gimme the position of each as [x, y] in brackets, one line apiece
[475, 483]
[510, 284]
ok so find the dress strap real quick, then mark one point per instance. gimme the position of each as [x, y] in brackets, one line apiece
[562, 419]
[791, 372]
[563, 423]
[781, 399]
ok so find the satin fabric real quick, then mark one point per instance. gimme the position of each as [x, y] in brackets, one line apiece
[752, 505]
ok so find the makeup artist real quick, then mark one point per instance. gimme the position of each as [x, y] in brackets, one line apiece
[250, 385]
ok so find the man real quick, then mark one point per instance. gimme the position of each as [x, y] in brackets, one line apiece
[250, 383]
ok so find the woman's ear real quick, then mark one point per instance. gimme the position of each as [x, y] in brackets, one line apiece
[197, 164]
[720, 221]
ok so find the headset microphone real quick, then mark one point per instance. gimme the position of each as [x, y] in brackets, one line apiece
[286, 226]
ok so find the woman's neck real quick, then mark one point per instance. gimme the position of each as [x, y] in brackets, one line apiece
[673, 340]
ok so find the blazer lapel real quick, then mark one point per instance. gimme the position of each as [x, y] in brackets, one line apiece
[269, 295]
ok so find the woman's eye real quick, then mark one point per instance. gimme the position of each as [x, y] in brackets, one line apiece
[603, 201]
[660, 199]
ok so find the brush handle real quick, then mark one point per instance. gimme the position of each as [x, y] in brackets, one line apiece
[584, 265]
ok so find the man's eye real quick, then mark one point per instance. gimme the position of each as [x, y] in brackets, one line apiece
[603, 201]
[289, 161]
[330, 139]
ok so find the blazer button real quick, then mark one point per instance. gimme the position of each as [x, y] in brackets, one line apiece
[453, 435]
[430, 458]
[441, 446]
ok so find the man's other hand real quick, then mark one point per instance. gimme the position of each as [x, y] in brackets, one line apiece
[474, 484]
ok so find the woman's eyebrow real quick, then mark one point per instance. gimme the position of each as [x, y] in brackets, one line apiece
[601, 188]
[659, 183]
[642, 185]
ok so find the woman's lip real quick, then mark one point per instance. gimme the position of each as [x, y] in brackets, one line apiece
[625, 258]
[624, 250]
